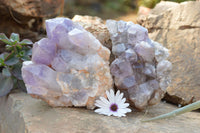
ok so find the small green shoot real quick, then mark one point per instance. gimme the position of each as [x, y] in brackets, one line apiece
[11, 62]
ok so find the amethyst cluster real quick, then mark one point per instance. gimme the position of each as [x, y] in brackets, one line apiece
[69, 68]
[140, 69]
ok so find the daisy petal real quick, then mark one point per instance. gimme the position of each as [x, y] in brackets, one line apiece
[120, 96]
[99, 103]
[109, 113]
[128, 110]
[103, 111]
[122, 111]
[117, 95]
[109, 97]
[99, 111]
[115, 105]
[112, 95]
[123, 115]
[125, 105]
[117, 114]
[121, 101]
[104, 100]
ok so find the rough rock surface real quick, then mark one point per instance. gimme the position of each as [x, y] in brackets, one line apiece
[141, 69]
[44, 8]
[69, 68]
[96, 26]
[19, 113]
[177, 27]
[25, 17]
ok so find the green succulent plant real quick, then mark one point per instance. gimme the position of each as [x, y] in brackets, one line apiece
[11, 62]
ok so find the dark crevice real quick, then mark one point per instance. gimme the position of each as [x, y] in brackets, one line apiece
[188, 27]
[177, 100]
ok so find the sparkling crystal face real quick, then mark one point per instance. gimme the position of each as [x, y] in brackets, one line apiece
[140, 68]
[114, 107]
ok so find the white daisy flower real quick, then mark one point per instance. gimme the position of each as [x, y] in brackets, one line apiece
[115, 105]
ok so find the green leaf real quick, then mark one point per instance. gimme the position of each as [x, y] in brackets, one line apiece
[11, 61]
[2, 62]
[4, 39]
[14, 37]
[2, 56]
[6, 85]
[28, 51]
[27, 54]
[26, 41]
[21, 53]
[25, 58]
[16, 71]
[6, 72]
[21, 85]
[19, 47]
[9, 47]
[14, 82]
[3, 36]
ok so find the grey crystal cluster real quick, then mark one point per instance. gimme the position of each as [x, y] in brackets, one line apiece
[140, 69]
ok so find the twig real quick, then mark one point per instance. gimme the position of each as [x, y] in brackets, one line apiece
[16, 20]
[62, 8]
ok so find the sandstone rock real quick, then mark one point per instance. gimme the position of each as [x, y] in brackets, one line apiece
[143, 10]
[70, 67]
[140, 68]
[177, 27]
[19, 113]
[25, 17]
[31, 8]
[162, 7]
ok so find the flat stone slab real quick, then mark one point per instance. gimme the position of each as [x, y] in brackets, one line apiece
[20, 113]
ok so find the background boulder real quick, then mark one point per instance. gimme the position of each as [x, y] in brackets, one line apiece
[26, 17]
[177, 27]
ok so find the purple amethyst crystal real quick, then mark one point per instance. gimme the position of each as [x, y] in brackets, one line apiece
[69, 68]
[140, 68]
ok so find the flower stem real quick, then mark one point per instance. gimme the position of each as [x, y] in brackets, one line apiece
[182, 110]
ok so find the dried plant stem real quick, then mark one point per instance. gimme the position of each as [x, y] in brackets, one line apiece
[62, 8]
[182, 110]
[15, 19]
